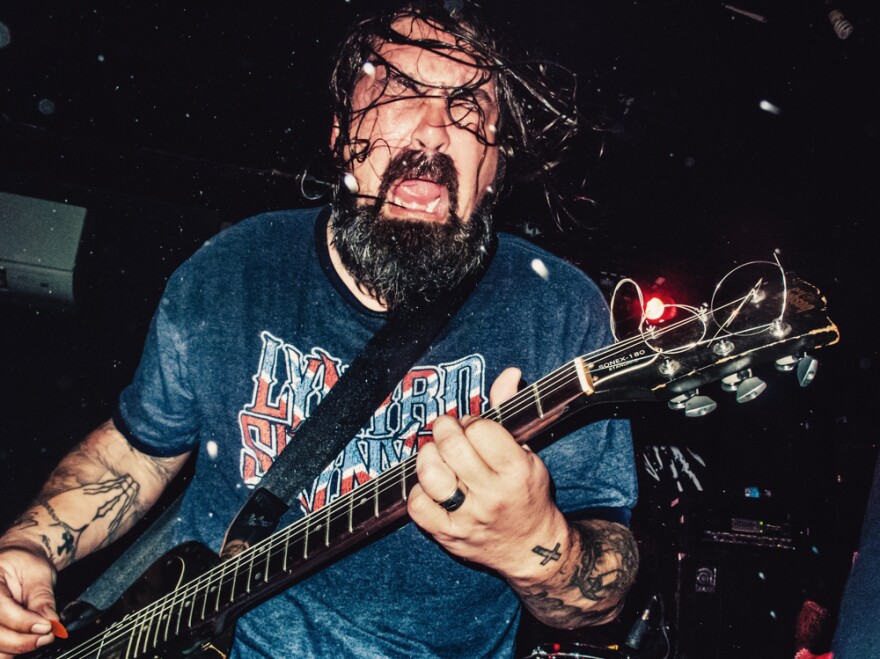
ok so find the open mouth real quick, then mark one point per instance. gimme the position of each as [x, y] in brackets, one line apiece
[427, 198]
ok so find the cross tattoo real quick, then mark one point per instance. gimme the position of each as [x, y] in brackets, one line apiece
[548, 554]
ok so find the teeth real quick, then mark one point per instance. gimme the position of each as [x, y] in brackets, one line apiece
[412, 205]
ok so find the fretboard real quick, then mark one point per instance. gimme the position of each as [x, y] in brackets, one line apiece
[209, 601]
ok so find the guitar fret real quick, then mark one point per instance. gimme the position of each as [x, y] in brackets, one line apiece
[128, 646]
[180, 607]
[161, 615]
[404, 492]
[266, 569]
[286, 548]
[250, 572]
[537, 397]
[204, 600]
[142, 636]
[375, 484]
[235, 569]
[192, 607]
[220, 586]
[306, 539]
[327, 521]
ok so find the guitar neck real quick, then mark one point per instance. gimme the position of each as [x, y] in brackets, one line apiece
[202, 607]
[286, 556]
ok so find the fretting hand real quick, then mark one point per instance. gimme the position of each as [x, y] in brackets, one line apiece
[507, 513]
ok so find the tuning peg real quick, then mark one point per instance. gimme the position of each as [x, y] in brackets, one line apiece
[679, 402]
[750, 389]
[699, 406]
[806, 370]
[786, 364]
[731, 382]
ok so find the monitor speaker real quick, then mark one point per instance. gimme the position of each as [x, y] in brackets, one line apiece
[39, 240]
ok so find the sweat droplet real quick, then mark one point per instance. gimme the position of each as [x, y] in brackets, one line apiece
[350, 182]
[767, 106]
[211, 448]
[369, 69]
[540, 269]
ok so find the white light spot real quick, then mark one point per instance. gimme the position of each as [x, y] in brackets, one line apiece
[492, 128]
[369, 69]
[762, 576]
[767, 106]
[100, 58]
[490, 189]
[541, 269]
[211, 448]
[350, 182]
[773, 614]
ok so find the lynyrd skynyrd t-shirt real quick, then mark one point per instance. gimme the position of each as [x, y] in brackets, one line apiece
[251, 334]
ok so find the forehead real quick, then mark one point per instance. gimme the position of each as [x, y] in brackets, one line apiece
[450, 66]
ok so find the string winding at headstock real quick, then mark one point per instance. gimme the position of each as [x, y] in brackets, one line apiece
[758, 314]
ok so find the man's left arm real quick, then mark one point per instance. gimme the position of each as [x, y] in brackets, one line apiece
[568, 574]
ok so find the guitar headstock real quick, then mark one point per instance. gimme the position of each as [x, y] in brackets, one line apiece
[757, 315]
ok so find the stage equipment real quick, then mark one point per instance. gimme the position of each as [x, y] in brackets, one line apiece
[39, 240]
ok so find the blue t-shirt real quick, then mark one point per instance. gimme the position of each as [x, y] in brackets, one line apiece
[250, 335]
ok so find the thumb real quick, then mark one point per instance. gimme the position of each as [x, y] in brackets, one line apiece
[505, 386]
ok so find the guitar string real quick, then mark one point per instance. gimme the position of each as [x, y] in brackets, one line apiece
[148, 614]
[144, 618]
[395, 474]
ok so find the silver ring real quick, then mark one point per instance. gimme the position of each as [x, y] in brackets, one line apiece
[453, 501]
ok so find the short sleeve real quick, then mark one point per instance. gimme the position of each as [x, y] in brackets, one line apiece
[157, 412]
[593, 467]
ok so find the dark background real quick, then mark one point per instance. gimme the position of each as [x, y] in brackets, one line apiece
[169, 120]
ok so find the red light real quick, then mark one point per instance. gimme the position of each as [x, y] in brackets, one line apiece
[659, 309]
[654, 309]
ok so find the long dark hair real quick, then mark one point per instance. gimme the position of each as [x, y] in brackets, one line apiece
[536, 99]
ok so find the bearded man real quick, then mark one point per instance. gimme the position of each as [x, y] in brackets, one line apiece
[257, 326]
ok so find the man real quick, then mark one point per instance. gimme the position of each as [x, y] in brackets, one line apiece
[253, 331]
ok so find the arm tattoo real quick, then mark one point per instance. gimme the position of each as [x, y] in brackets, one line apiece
[548, 554]
[601, 574]
[26, 521]
[590, 577]
[113, 501]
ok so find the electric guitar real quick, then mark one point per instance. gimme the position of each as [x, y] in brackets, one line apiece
[186, 603]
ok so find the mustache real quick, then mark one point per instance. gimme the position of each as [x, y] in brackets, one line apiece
[412, 164]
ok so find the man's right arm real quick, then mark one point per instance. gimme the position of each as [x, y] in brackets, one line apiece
[94, 495]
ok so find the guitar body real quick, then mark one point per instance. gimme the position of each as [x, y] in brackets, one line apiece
[175, 568]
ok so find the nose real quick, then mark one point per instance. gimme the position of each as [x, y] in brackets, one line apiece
[431, 132]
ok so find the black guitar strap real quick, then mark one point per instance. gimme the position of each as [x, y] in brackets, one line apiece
[368, 381]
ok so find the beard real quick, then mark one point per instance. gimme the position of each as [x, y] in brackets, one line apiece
[406, 263]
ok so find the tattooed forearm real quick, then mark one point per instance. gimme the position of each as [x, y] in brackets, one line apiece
[595, 572]
[596, 577]
[553, 611]
[96, 494]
